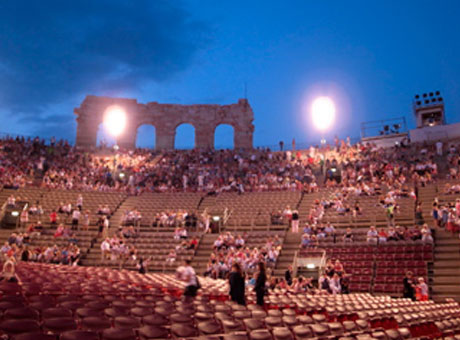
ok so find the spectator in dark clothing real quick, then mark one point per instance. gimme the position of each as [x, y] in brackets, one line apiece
[236, 281]
[288, 275]
[409, 290]
[260, 284]
[345, 284]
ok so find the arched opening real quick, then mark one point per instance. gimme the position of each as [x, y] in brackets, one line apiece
[224, 137]
[104, 138]
[145, 138]
[185, 137]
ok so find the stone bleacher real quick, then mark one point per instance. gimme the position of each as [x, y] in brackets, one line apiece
[149, 204]
[250, 209]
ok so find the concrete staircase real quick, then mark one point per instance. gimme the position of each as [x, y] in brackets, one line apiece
[290, 246]
[446, 267]
[126, 204]
[201, 258]
[304, 206]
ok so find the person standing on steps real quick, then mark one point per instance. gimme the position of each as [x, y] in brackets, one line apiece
[260, 284]
[236, 282]
[295, 221]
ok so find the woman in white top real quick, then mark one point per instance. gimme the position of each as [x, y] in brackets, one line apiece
[9, 271]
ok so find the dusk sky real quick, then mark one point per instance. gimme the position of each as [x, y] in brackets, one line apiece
[370, 57]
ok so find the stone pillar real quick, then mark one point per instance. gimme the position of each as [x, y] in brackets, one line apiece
[128, 139]
[242, 139]
[86, 133]
[204, 137]
[165, 138]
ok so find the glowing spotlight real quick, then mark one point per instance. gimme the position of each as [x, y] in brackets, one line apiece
[323, 113]
[115, 120]
[310, 266]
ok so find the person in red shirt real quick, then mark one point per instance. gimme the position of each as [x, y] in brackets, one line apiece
[53, 217]
[193, 243]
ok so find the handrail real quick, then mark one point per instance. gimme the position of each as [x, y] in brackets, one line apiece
[227, 217]
[3, 209]
[323, 260]
[18, 220]
[294, 263]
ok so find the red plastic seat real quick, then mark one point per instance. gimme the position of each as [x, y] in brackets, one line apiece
[21, 313]
[126, 322]
[95, 323]
[209, 327]
[79, 335]
[19, 326]
[59, 325]
[56, 312]
[153, 332]
[182, 330]
[118, 334]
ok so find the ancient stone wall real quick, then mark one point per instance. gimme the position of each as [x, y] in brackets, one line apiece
[165, 118]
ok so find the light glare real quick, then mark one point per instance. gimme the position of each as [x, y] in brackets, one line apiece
[323, 113]
[115, 120]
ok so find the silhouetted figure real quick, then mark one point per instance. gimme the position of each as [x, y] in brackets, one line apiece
[236, 281]
[260, 284]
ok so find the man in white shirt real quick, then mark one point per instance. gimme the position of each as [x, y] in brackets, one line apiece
[188, 275]
[75, 218]
[105, 249]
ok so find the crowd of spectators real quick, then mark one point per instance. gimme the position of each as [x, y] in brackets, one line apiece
[333, 280]
[19, 247]
[360, 169]
[116, 249]
[59, 165]
[229, 249]
[398, 233]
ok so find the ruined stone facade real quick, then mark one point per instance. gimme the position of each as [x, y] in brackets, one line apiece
[165, 118]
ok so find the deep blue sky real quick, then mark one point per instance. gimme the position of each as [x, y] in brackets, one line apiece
[371, 57]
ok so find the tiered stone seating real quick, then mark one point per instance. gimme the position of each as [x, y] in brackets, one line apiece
[149, 204]
[154, 245]
[99, 303]
[50, 199]
[371, 211]
[251, 209]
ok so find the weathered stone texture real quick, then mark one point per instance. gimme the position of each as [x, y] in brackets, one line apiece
[166, 118]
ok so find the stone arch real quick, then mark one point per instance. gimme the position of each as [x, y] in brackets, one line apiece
[184, 136]
[165, 118]
[224, 136]
[146, 136]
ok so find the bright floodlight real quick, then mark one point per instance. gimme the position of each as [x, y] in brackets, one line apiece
[115, 120]
[323, 113]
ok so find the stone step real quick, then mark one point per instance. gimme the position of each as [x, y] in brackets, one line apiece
[442, 297]
[446, 289]
[445, 264]
[446, 248]
[454, 256]
[446, 272]
[446, 280]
